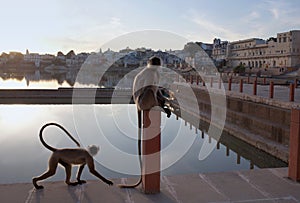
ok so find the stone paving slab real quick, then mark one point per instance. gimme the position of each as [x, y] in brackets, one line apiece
[261, 185]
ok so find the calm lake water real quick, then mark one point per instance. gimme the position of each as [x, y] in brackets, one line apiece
[113, 128]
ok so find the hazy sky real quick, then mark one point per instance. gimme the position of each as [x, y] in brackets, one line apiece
[50, 26]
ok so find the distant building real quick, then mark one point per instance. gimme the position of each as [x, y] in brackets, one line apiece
[37, 59]
[219, 52]
[82, 57]
[15, 55]
[208, 48]
[47, 58]
[71, 58]
[60, 56]
[282, 52]
[32, 57]
[3, 58]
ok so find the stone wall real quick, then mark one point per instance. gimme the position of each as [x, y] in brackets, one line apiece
[260, 124]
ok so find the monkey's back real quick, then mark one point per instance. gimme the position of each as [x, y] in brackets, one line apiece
[72, 155]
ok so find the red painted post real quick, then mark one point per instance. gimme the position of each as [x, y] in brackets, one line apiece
[203, 82]
[238, 159]
[255, 87]
[294, 158]
[151, 151]
[197, 80]
[211, 81]
[292, 92]
[229, 84]
[241, 85]
[191, 79]
[265, 80]
[271, 92]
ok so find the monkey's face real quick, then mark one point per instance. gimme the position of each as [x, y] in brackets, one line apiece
[93, 149]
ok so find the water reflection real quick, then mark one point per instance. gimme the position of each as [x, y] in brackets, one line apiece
[96, 65]
[43, 80]
[23, 156]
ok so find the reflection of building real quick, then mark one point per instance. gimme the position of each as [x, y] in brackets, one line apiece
[281, 52]
[33, 77]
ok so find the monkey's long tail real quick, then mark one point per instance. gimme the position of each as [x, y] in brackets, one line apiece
[139, 151]
[62, 128]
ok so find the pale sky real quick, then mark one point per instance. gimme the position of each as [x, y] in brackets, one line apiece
[62, 25]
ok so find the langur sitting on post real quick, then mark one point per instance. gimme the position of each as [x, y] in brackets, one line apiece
[146, 90]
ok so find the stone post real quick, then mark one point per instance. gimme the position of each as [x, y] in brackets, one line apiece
[294, 158]
[271, 92]
[292, 92]
[255, 87]
[151, 151]
[241, 85]
[229, 84]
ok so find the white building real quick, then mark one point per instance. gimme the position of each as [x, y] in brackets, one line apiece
[219, 52]
[282, 52]
[32, 57]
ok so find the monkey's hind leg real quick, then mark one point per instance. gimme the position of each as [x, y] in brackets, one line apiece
[68, 169]
[53, 162]
[79, 181]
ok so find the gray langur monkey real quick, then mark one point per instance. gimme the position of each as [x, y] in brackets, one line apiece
[146, 90]
[68, 157]
[146, 95]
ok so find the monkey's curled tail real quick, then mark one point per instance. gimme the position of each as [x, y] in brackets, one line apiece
[139, 151]
[62, 128]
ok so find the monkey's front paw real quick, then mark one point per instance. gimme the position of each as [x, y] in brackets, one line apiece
[109, 182]
[39, 187]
